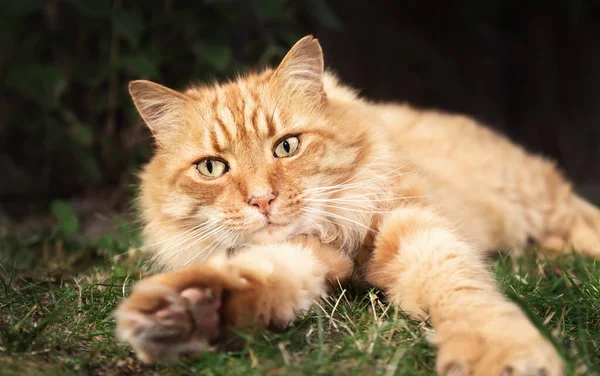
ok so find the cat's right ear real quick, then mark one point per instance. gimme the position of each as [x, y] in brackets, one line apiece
[159, 106]
[301, 70]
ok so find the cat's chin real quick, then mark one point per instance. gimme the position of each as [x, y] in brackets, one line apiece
[273, 233]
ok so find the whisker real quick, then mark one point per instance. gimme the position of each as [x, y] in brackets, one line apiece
[319, 218]
[182, 234]
[357, 210]
[193, 243]
[361, 183]
[340, 217]
[212, 246]
[361, 170]
[344, 199]
[380, 177]
[338, 188]
[191, 240]
[275, 107]
[153, 224]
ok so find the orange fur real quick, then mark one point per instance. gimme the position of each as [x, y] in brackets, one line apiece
[423, 194]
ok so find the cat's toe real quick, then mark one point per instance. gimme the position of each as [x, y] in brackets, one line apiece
[541, 364]
[204, 304]
[161, 323]
[479, 353]
[153, 319]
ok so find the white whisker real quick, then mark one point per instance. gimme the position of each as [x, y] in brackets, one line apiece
[344, 199]
[318, 211]
[321, 218]
[153, 224]
[366, 184]
[365, 210]
[193, 243]
[180, 235]
[197, 237]
[215, 243]
[359, 183]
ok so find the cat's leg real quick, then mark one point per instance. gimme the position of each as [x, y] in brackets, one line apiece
[188, 310]
[557, 218]
[428, 272]
[574, 225]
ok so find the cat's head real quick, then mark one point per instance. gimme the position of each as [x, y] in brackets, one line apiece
[245, 161]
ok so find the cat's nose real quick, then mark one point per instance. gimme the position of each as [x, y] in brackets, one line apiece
[263, 203]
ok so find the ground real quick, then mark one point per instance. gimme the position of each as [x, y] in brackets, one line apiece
[58, 292]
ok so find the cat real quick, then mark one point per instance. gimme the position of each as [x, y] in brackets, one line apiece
[266, 190]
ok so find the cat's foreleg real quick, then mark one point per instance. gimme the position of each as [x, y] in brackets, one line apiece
[190, 309]
[574, 226]
[429, 272]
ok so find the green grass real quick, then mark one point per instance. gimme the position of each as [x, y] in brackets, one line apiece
[57, 297]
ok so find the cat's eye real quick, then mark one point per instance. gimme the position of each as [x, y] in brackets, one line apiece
[212, 167]
[286, 147]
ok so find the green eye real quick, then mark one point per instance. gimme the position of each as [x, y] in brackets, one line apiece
[212, 167]
[286, 147]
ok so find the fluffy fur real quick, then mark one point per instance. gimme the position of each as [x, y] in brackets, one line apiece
[423, 194]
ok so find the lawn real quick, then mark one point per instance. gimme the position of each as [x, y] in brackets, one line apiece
[58, 293]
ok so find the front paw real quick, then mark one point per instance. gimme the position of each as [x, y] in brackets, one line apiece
[496, 348]
[177, 313]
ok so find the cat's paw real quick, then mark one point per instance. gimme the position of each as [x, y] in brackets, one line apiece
[176, 313]
[502, 349]
[582, 235]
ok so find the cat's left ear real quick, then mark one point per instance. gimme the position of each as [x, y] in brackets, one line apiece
[301, 70]
[159, 106]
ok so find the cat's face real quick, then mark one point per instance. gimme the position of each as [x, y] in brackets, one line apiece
[245, 161]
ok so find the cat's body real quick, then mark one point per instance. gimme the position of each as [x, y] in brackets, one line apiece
[499, 196]
[273, 183]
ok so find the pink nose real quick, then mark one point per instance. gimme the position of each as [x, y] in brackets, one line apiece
[263, 203]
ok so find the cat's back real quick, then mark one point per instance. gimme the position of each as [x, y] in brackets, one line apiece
[430, 137]
[470, 171]
[455, 149]
[448, 143]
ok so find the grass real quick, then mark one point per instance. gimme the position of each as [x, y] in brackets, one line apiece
[57, 296]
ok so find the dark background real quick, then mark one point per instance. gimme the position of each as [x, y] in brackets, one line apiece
[68, 129]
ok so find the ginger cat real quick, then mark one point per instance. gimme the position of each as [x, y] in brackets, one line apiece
[263, 190]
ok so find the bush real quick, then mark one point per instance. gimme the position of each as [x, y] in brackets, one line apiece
[67, 121]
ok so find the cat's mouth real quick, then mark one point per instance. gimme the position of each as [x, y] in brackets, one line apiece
[272, 226]
[273, 231]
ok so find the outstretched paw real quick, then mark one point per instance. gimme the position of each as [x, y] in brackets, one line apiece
[176, 313]
[503, 349]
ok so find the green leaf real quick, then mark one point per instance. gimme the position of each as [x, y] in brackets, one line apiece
[272, 53]
[21, 7]
[140, 65]
[68, 223]
[82, 134]
[90, 165]
[93, 8]
[216, 55]
[129, 25]
[42, 84]
[291, 36]
[323, 14]
[271, 9]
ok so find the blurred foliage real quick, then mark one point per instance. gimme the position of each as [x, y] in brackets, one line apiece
[66, 121]
[68, 223]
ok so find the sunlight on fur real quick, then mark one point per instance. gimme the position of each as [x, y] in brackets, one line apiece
[263, 190]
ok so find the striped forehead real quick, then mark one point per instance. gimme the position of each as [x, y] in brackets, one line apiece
[237, 112]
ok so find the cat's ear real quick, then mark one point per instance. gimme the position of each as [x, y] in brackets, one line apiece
[302, 68]
[159, 106]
